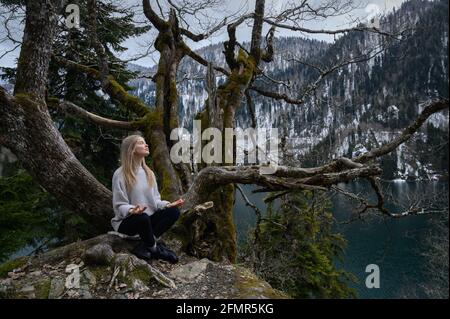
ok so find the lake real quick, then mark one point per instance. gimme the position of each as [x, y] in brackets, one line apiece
[392, 244]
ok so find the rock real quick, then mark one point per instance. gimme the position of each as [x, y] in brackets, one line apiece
[89, 277]
[126, 276]
[42, 287]
[249, 286]
[73, 293]
[56, 288]
[27, 289]
[47, 268]
[100, 254]
[28, 292]
[16, 275]
[126, 261]
[73, 280]
[36, 273]
[6, 282]
[143, 267]
[71, 267]
[189, 272]
[131, 295]
[84, 292]
[6, 288]
[139, 286]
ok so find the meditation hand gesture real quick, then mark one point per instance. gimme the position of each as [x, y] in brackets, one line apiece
[178, 202]
[137, 210]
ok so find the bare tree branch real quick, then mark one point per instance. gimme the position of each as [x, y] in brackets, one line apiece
[196, 57]
[261, 73]
[267, 55]
[250, 108]
[432, 107]
[159, 23]
[73, 109]
[111, 86]
[337, 31]
[322, 74]
[250, 204]
[10, 50]
[203, 36]
[419, 205]
[315, 178]
[230, 45]
[277, 96]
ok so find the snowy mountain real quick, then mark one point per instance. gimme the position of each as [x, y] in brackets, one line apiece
[359, 106]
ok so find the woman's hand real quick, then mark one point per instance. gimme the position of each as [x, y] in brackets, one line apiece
[178, 202]
[137, 210]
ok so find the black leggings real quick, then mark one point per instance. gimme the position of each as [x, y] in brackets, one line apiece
[147, 226]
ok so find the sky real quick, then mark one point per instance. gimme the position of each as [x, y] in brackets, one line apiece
[139, 45]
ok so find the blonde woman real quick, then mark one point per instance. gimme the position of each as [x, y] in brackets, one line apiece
[137, 204]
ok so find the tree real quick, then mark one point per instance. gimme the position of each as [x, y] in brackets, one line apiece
[95, 149]
[28, 130]
[299, 236]
[436, 253]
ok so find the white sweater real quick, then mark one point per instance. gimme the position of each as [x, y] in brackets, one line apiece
[141, 194]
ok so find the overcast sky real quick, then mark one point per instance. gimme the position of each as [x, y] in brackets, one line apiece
[140, 44]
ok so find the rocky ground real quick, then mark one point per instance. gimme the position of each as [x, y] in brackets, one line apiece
[103, 267]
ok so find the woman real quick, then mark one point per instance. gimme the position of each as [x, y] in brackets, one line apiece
[137, 203]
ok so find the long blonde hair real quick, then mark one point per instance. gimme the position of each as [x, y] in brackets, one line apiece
[129, 163]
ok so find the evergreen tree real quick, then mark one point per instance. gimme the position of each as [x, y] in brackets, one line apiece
[96, 150]
[30, 215]
[297, 249]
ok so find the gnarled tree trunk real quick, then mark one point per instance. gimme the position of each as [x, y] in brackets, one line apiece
[29, 132]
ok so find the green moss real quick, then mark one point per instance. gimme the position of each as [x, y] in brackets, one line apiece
[100, 272]
[12, 264]
[213, 235]
[231, 92]
[241, 76]
[152, 120]
[162, 40]
[159, 79]
[173, 100]
[129, 101]
[52, 101]
[42, 289]
[141, 273]
[25, 100]
[173, 92]
[250, 286]
[166, 186]
[226, 229]
[249, 67]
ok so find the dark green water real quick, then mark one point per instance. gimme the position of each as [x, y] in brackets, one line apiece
[395, 245]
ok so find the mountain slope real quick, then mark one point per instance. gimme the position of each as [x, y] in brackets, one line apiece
[357, 107]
